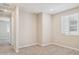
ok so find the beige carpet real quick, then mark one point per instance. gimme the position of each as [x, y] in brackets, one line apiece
[38, 50]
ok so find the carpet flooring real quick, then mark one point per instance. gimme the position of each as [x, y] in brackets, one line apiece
[38, 50]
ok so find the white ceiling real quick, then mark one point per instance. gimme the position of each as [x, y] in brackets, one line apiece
[50, 8]
[5, 9]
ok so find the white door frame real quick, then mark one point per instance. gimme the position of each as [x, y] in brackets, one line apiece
[15, 28]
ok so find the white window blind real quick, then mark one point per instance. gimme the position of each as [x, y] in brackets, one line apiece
[70, 24]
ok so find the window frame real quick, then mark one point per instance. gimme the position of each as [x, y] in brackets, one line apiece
[65, 24]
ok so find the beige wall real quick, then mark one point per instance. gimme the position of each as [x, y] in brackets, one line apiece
[57, 36]
[39, 29]
[44, 29]
[34, 29]
[28, 29]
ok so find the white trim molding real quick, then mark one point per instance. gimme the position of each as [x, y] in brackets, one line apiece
[27, 45]
[76, 49]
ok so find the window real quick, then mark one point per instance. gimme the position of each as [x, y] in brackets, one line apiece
[70, 24]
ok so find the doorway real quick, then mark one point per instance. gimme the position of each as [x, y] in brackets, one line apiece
[5, 44]
[4, 31]
[9, 27]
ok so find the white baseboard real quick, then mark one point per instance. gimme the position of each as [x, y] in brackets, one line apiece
[46, 44]
[76, 49]
[32, 44]
[27, 45]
